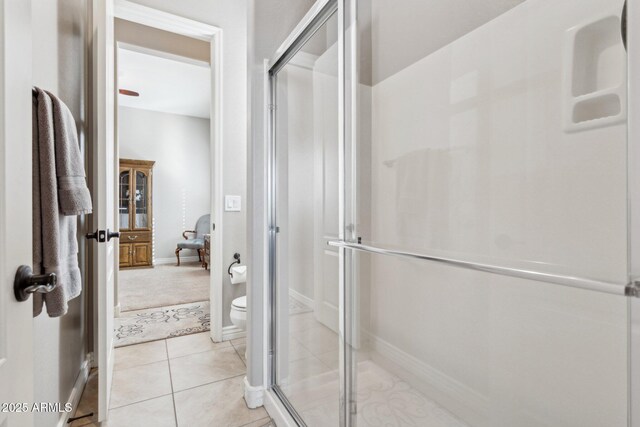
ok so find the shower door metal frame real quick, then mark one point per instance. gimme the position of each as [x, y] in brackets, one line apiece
[315, 18]
[633, 188]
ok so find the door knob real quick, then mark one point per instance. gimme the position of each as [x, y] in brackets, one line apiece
[93, 235]
[99, 235]
[103, 235]
[27, 283]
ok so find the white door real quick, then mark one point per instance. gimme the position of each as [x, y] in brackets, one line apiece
[104, 173]
[16, 318]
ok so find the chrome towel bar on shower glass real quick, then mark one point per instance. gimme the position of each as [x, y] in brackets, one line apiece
[632, 289]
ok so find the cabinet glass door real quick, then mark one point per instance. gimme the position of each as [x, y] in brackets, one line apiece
[141, 200]
[124, 199]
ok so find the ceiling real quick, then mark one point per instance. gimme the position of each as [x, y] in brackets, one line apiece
[168, 84]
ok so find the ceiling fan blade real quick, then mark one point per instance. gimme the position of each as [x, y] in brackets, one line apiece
[128, 92]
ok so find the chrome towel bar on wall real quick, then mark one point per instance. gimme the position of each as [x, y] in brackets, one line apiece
[631, 289]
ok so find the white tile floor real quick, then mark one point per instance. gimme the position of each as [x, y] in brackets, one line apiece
[187, 381]
[190, 381]
[312, 384]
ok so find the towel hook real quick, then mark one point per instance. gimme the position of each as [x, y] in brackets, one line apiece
[26, 283]
[236, 257]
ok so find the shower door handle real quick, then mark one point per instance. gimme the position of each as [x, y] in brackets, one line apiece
[558, 279]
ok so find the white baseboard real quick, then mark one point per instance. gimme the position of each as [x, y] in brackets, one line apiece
[302, 299]
[277, 411]
[254, 396]
[232, 332]
[174, 260]
[435, 384]
[76, 391]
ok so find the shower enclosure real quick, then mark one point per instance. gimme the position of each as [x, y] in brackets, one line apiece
[452, 214]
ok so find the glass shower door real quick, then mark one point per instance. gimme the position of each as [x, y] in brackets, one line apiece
[486, 224]
[449, 238]
[305, 156]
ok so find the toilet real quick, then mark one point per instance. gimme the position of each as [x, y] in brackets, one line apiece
[239, 312]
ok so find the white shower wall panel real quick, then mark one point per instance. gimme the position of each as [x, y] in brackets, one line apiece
[499, 351]
[475, 154]
[472, 158]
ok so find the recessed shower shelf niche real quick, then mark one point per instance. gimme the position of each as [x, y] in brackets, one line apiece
[595, 94]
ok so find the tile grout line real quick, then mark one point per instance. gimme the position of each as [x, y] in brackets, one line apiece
[139, 401]
[173, 391]
[212, 382]
[239, 355]
[173, 396]
[200, 352]
[144, 342]
[267, 419]
[139, 365]
[168, 357]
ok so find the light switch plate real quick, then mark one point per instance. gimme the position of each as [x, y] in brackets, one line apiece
[232, 203]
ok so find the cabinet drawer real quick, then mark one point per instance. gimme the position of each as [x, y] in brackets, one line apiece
[135, 237]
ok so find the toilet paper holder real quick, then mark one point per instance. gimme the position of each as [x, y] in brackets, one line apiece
[236, 257]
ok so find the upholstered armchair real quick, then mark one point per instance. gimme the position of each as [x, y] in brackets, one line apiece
[196, 242]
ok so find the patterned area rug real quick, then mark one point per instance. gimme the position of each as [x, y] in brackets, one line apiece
[133, 327]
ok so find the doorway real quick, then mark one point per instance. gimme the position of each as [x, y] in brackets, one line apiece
[107, 173]
[164, 184]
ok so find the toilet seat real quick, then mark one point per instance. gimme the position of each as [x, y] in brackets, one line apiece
[240, 303]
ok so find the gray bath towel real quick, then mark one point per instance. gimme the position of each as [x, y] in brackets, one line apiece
[59, 194]
[73, 193]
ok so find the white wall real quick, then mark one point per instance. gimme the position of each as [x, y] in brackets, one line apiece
[59, 57]
[160, 40]
[181, 175]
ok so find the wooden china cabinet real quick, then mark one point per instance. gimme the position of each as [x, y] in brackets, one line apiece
[135, 205]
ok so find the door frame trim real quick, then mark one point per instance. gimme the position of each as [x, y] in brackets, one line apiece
[633, 210]
[155, 18]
